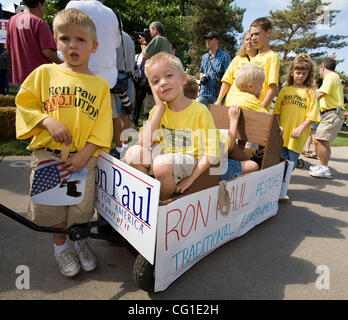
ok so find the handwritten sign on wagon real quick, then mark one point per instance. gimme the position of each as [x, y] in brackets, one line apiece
[191, 227]
[128, 200]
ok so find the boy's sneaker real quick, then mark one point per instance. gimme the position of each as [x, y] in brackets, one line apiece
[68, 263]
[321, 173]
[314, 168]
[87, 258]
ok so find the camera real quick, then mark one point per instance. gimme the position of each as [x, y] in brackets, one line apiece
[204, 80]
[145, 34]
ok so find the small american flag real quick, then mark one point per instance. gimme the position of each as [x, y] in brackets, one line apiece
[48, 174]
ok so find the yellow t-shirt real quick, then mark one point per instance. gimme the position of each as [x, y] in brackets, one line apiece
[333, 89]
[190, 131]
[230, 74]
[295, 105]
[269, 62]
[246, 100]
[80, 101]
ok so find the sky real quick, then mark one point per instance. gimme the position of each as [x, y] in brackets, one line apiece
[261, 8]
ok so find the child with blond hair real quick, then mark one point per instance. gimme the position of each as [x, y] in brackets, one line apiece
[180, 140]
[67, 105]
[297, 107]
[249, 80]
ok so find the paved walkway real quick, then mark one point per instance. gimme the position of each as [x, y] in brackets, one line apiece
[280, 259]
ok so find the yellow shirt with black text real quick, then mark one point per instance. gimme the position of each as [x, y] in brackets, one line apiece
[190, 131]
[294, 106]
[80, 101]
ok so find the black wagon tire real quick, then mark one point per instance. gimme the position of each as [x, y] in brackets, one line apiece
[143, 274]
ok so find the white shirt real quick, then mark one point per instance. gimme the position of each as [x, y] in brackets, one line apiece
[103, 61]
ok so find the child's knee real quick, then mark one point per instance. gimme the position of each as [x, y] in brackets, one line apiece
[249, 166]
[162, 167]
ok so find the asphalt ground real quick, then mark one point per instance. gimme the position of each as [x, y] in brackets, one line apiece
[301, 253]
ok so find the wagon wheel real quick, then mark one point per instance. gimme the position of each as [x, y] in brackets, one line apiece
[143, 274]
[300, 163]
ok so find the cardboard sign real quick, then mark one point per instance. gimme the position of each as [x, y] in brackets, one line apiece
[191, 227]
[55, 186]
[3, 28]
[128, 200]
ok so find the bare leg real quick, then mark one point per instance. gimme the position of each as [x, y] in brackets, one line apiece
[59, 238]
[163, 171]
[324, 151]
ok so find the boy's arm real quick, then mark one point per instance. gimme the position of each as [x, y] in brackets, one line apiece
[58, 130]
[146, 135]
[224, 88]
[233, 113]
[271, 93]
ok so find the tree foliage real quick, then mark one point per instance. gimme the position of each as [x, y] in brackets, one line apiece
[185, 21]
[295, 30]
[211, 15]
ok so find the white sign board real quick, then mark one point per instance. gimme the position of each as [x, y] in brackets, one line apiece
[192, 227]
[3, 28]
[53, 185]
[128, 200]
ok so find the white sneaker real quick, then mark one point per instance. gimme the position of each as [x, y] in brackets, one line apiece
[68, 263]
[314, 168]
[87, 258]
[321, 173]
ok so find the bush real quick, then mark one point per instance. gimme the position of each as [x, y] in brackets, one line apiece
[7, 101]
[7, 122]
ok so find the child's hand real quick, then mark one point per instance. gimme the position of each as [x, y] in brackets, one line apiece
[58, 130]
[76, 162]
[234, 112]
[159, 103]
[184, 184]
[297, 131]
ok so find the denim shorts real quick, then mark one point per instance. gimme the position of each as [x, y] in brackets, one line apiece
[234, 170]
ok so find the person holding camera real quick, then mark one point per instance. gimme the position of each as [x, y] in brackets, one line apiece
[123, 94]
[213, 66]
[158, 43]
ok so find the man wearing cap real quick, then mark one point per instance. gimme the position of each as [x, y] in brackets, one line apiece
[213, 66]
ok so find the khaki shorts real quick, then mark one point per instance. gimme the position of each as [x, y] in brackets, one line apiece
[183, 164]
[44, 215]
[330, 124]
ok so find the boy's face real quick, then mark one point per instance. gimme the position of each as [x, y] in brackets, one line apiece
[76, 45]
[255, 88]
[260, 37]
[166, 81]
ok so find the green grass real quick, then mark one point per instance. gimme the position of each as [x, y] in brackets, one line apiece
[14, 147]
[341, 139]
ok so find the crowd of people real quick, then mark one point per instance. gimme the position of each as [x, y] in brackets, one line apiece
[96, 69]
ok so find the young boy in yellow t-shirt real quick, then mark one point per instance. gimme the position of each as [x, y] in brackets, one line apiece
[249, 80]
[180, 140]
[267, 59]
[67, 104]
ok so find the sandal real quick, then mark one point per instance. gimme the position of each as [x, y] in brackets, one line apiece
[307, 154]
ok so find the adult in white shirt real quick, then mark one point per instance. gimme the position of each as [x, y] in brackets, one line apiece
[103, 61]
